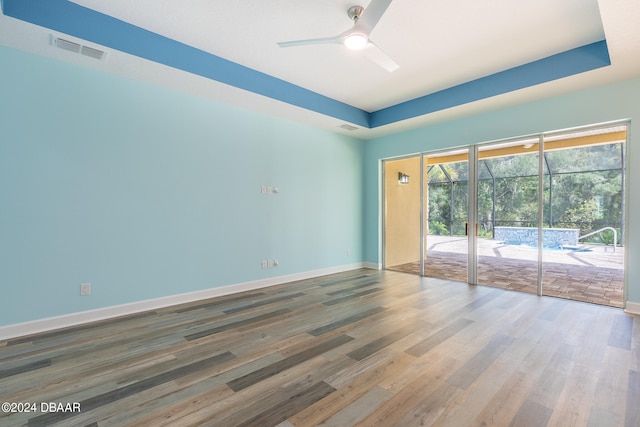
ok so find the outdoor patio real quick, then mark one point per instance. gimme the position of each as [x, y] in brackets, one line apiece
[592, 273]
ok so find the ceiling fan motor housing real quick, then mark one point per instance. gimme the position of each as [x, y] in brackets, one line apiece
[355, 12]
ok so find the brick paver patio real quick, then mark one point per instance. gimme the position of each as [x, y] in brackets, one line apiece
[593, 274]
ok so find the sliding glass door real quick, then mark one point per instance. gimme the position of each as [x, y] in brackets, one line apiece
[446, 207]
[541, 214]
[583, 219]
[507, 215]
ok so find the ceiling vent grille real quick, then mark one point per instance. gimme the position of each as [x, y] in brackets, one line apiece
[92, 53]
[347, 127]
[77, 48]
[67, 45]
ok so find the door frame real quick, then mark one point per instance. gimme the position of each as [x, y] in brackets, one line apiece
[473, 197]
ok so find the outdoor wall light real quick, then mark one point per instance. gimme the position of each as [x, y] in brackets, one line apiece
[403, 178]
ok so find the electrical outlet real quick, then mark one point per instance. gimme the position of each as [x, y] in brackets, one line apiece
[270, 263]
[85, 289]
[264, 264]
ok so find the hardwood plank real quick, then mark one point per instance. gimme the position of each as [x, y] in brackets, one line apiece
[73, 329]
[505, 404]
[553, 311]
[272, 391]
[621, 332]
[351, 289]
[632, 413]
[494, 398]
[611, 391]
[277, 367]
[131, 389]
[351, 391]
[531, 414]
[471, 370]
[164, 411]
[263, 303]
[439, 337]
[548, 388]
[577, 394]
[361, 348]
[289, 406]
[346, 321]
[431, 407]
[235, 325]
[8, 372]
[358, 409]
[354, 279]
[351, 296]
[599, 418]
[378, 344]
[363, 367]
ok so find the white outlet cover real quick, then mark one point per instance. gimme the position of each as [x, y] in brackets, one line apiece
[85, 289]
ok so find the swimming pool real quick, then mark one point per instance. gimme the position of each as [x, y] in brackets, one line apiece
[552, 238]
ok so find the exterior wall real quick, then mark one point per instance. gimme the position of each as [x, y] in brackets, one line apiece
[402, 205]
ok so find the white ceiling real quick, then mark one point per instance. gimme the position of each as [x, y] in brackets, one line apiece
[437, 43]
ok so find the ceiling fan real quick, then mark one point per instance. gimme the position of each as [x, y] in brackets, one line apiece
[357, 38]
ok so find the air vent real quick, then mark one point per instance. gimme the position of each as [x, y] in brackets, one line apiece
[91, 52]
[347, 127]
[77, 48]
[67, 45]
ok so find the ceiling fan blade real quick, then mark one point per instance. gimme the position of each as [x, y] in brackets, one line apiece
[375, 54]
[324, 40]
[372, 15]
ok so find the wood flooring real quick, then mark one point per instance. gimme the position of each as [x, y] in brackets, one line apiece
[361, 348]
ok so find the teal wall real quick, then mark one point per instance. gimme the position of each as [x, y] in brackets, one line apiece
[598, 105]
[146, 192]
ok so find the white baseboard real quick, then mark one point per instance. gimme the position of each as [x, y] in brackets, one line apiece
[372, 265]
[633, 308]
[79, 318]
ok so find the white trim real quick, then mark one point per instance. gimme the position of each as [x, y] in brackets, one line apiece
[74, 319]
[633, 308]
[372, 265]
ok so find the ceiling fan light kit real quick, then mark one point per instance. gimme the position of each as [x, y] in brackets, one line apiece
[356, 41]
[357, 38]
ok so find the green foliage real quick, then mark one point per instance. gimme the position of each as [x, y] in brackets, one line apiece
[582, 189]
[583, 213]
[438, 228]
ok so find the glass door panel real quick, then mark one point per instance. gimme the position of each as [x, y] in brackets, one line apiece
[446, 195]
[583, 251]
[548, 214]
[507, 212]
[402, 215]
